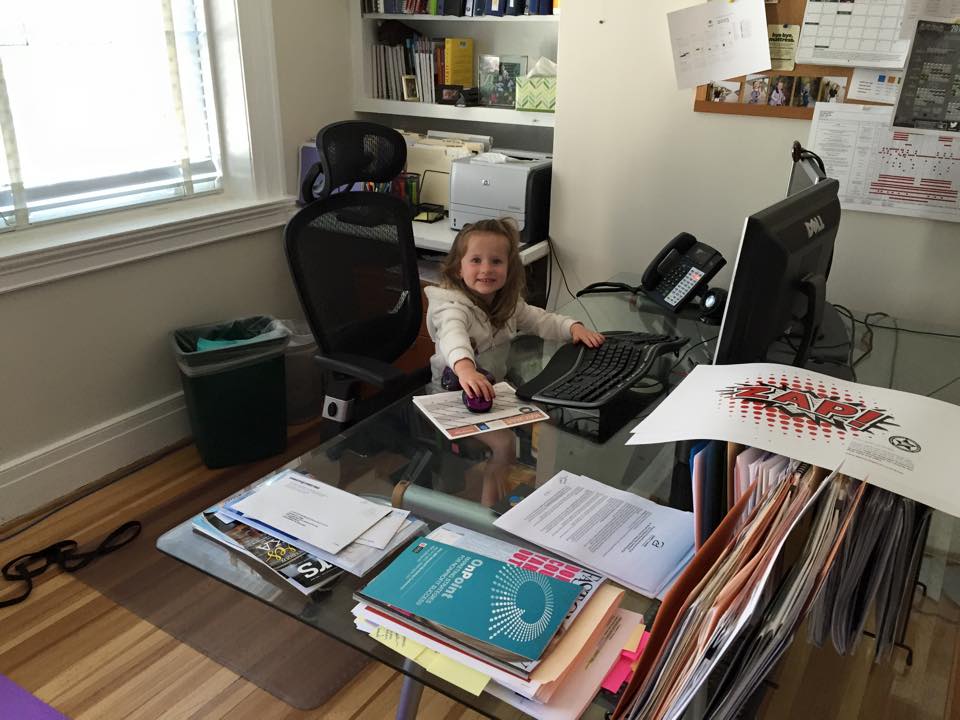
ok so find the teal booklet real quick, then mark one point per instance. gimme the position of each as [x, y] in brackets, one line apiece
[496, 607]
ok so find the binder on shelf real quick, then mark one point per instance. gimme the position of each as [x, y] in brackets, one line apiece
[453, 7]
[494, 7]
[514, 7]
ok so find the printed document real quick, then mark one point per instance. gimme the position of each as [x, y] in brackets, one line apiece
[929, 101]
[898, 441]
[875, 85]
[716, 41]
[865, 33]
[916, 9]
[447, 412]
[633, 540]
[884, 169]
[307, 509]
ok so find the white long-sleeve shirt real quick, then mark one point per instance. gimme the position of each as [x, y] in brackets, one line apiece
[461, 329]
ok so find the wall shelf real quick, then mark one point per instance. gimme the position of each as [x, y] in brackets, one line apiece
[457, 18]
[533, 36]
[452, 112]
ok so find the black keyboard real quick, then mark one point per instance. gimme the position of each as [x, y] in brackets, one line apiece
[589, 378]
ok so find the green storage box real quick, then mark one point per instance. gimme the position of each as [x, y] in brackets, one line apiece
[235, 391]
[537, 94]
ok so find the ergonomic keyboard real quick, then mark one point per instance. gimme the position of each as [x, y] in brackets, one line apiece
[589, 378]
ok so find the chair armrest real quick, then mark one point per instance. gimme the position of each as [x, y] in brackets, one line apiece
[367, 369]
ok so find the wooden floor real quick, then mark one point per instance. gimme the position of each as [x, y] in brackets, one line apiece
[91, 658]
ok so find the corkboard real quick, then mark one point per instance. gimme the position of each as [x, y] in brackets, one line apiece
[784, 12]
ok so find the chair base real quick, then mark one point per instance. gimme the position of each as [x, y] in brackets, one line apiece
[337, 409]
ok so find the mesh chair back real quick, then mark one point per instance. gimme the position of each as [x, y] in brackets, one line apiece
[354, 265]
[353, 151]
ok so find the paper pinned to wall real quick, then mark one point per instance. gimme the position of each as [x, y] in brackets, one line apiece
[929, 101]
[718, 40]
[884, 169]
[853, 34]
[916, 9]
[875, 85]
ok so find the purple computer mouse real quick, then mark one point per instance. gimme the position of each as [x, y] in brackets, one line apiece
[477, 404]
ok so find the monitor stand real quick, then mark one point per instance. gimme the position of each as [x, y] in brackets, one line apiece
[830, 351]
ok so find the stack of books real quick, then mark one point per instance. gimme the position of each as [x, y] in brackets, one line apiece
[536, 631]
[306, 531]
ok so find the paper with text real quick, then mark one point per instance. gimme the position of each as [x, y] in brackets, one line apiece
[716, 41]
[901, 442]
[865, 33]
[884, 169]
[633, 540]
[315, 512]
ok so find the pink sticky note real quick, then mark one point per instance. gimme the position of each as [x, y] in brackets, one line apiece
[616, 677]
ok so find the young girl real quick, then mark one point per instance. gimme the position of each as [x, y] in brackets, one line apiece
[479, 306]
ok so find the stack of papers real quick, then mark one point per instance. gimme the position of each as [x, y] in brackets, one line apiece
[329, 525]
[635, 541]
[561, 681]
[447, 412]
[752, 593]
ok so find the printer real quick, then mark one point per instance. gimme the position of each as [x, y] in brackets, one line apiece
[502, 184]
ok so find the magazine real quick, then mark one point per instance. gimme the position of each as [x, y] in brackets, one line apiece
[301, 570]
[504, 611]
[447, 412]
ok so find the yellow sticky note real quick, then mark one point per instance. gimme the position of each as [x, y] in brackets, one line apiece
[453, 672]
[395, 641]
[631, 644]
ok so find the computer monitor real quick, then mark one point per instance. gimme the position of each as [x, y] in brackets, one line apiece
[779, 279]
[807, 170]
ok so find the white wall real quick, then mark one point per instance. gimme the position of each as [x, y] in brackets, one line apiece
[635, 165]
[88, 377]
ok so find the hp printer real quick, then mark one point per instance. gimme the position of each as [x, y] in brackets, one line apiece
[494, 185]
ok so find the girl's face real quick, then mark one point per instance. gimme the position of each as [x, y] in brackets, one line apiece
[483, 267]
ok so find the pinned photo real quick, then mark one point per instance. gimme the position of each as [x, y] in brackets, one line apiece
[833, 89]
[781, 87]
[723, 91]
[806, 90]
[756, 90]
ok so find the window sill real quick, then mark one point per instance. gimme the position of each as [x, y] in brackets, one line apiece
[64, 249]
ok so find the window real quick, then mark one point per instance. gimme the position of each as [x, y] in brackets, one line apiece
[103, 104]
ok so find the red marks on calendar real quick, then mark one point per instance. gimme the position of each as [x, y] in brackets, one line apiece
[797, 405]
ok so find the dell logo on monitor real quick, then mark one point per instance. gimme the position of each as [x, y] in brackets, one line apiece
[814, 225]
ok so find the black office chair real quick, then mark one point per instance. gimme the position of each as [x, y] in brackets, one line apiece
[354, 265]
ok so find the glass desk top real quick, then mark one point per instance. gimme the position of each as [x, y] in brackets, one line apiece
[398, 444]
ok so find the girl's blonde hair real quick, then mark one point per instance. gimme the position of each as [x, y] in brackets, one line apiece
[505, 301]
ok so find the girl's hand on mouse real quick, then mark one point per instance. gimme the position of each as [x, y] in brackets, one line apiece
[474, 382]
[580, 334]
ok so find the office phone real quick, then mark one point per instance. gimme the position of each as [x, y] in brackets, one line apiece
[681, 271]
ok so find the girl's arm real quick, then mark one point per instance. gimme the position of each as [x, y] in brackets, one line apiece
[452, 337]
[551, 326]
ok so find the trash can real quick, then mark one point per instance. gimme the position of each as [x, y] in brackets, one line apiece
[304, 376]
[233, 382]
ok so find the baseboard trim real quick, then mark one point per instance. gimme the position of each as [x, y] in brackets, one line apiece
[45, 475]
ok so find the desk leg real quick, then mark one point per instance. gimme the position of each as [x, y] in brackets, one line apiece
[410, 693]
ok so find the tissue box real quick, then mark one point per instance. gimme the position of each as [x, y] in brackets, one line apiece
[538, 93]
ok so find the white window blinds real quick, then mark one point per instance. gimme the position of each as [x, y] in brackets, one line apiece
[103, 104]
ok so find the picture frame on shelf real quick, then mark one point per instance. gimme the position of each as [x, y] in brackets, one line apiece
[410, 88]
[497, 79]
[448, 94]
